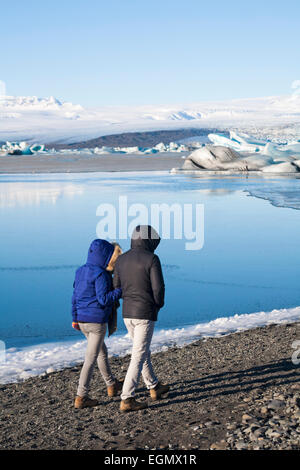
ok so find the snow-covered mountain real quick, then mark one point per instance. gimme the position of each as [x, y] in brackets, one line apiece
[46, 120]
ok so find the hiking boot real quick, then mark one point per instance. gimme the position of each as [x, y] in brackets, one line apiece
[113, 390]
[158, 391]
[130, 404]
[85, 402]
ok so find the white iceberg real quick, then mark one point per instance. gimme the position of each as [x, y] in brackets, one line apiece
[293, 147]
[256, 161]
[284, 167]
[161, 147]
[245, 143]
[21, 148]
[211, 157]
[240, 152]
[238, 142]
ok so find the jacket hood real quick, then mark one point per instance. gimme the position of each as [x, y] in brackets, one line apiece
[145, 237]
[100, 253]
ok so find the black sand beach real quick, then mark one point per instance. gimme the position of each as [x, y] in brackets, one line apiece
[80, 163]
[239, 391]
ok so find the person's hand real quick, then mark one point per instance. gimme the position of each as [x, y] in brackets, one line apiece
[75, 325]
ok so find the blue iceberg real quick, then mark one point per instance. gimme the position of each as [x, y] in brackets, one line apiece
[21, 148]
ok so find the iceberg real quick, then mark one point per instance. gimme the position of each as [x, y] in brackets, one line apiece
[161, 147]
[293, 147]
[283, 167]
[21, 148]
[239, 142]
[211, 157]
[245, 143]
[240, 152]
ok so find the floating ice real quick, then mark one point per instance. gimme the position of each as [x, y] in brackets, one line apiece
[161, 147]
[211, 157]
[20, 148]
[240, 152]
[23, 148]
[245, 143]
[235, 142]
[284, 167]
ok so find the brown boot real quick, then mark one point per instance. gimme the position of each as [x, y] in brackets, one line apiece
[113, 390]
[130, 404]
[158, 391]
[85, 402]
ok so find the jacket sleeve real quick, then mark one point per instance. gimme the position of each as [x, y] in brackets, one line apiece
[105, 295]
[116, 278]
[74, 308]
[157, 282]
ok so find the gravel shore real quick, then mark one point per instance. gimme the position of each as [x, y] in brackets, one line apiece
[239, 391]
[81, 163]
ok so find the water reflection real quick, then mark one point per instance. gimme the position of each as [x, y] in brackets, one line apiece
[33, 194]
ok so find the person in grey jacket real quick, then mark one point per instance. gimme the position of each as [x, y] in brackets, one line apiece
[138, 273]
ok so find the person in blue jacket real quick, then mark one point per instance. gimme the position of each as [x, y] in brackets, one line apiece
[92, 304]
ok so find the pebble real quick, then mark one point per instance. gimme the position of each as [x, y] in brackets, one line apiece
[246, 418]
[275, 404]
[267, 417]
[241, 445]
[273, 425]
[222, 445]
[259, 432]
[208, 424]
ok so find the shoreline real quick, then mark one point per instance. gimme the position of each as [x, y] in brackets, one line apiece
[70, 163]
[35, 359]
[86, 163]
[215, 384]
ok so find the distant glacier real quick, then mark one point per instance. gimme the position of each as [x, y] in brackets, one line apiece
[46, 120]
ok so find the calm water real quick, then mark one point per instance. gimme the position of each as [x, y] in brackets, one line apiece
[250, 260]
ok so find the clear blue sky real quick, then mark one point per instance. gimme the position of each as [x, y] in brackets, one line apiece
[111, 52]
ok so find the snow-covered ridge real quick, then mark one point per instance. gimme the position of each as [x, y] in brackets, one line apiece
[33, 102]
[47, 120]
[22, 363]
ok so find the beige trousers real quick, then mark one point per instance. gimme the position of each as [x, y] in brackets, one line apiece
[141, 332]
[96, 351]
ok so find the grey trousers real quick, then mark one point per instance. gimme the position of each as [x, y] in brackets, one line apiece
[96, 352]
[141, 332]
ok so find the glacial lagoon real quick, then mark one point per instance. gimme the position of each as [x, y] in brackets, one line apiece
[250, 260]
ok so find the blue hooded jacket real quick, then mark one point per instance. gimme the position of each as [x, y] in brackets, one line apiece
[93, 294]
